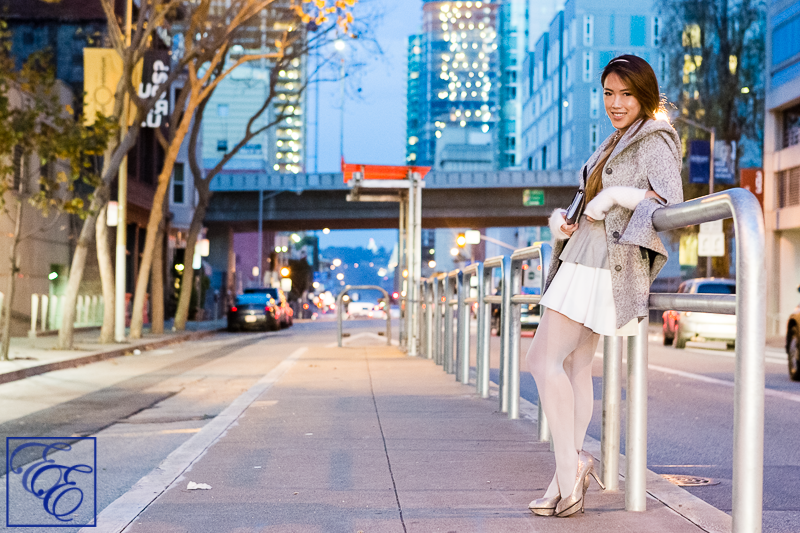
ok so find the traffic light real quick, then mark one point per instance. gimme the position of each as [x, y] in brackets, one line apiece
[461, 240]
[285, 272]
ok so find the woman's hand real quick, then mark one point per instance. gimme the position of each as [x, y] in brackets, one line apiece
[569, 229]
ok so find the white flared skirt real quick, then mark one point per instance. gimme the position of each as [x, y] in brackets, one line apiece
[584, 295]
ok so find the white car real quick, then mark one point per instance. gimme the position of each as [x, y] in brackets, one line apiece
[692, 326]
[361, 310]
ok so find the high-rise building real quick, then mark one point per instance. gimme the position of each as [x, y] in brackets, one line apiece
[563, 116]
[453, 87]
[238, 97]
[512, 28]
[781, 176]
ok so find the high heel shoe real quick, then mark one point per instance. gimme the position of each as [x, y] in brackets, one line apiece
[574, 502]
[544, 506]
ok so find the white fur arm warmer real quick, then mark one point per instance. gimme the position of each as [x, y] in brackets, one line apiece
[627, 197]
[556, 221]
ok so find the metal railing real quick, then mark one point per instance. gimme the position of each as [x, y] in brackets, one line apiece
[387, 310]
[448, 292]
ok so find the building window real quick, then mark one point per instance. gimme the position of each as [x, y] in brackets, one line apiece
[178, 184]
[638, 29]
[588, 30]
[594, 103]
[544, 157]
[530, 163]
[222, 110]
[662, 69]
[655, 32]
[222, 145]
[791, 126]
[789, 187]
[785, 44]
[593, 137]
[587, 66]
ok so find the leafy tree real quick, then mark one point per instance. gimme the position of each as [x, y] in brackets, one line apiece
[45, 150]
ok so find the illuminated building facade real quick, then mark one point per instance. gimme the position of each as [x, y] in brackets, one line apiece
[282, 147]
[453, 86]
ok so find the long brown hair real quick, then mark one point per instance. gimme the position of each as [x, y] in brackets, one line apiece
[638, 76]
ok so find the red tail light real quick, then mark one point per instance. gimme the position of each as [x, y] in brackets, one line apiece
[233, 309]
[268, 309]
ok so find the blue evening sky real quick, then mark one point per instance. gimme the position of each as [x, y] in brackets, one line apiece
[375, 115]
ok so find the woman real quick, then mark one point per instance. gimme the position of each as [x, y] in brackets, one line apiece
[602, 268]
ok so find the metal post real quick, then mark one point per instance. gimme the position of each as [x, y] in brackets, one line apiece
[636, 434]
[484, 333]
[437, 321]
[401, 266]
[462, 332]
[505, 334]
[612, 402]
[120, 275]
[411, 349]
[416, 260]
[448, 326]
[748, 414]
[430, 299]
[261, 237]
[712, 141]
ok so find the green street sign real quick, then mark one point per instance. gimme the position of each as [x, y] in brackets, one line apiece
[533, 197]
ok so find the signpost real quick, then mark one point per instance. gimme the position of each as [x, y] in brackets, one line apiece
[533, 197]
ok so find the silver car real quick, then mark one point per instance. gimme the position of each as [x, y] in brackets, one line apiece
[692, 326]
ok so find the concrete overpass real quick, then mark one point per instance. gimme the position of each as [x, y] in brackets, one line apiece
[450, 199]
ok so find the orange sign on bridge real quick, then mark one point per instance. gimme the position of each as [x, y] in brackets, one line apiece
[381, 172]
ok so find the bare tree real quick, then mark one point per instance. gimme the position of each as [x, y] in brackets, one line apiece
[152, 23]
[210, 36]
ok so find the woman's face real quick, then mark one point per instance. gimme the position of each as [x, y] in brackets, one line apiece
[621, 106]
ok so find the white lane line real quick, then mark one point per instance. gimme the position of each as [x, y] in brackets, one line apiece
[725, 383]
[124, 510]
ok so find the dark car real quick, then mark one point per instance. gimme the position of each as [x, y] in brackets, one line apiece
[253, 311]
[283, 313]
[793, 343]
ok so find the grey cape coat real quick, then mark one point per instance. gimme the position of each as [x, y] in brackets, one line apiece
[646, 159]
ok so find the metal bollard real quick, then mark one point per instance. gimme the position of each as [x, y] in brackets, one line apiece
[34, 313]
[462, 333]
[482, 344]
[45, 305]
[437, 321]
[505, 335]
[430, 298]
[636, 433]
[542, 426]
[447, 363]
[612, 402]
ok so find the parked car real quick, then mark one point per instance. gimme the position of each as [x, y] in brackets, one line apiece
[683, 326]
[253, 311]
[283, 312]
[793, 343]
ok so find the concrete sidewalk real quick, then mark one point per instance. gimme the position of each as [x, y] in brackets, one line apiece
[366, 439]
[30, 357]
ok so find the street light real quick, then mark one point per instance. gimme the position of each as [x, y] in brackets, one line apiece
[461, 240]
[285, 272]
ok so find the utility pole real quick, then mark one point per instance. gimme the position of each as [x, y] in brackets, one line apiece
[122, 207]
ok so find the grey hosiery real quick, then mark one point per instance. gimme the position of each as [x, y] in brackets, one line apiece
[560, 359]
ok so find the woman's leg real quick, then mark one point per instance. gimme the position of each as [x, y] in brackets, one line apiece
[578, 367]
[556, 338]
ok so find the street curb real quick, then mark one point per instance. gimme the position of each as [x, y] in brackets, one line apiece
[102, 356]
